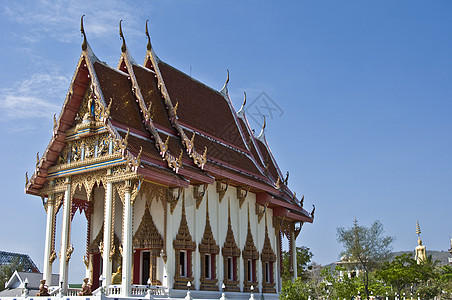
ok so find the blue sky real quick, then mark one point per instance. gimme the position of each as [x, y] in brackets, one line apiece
[364, 88]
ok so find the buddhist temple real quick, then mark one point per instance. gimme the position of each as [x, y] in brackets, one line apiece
[177, 190]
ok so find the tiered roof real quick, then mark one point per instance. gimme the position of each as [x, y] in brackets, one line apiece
[187, 132]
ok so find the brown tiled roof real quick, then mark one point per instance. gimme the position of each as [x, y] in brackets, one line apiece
[227, 156]
[200, 106]
[249, 140]
[117, 86]
[148, 86]
[272, 169]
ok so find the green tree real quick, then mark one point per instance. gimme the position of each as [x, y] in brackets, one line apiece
[400, 273]
[7, 270]
[365, 247]
[304, 256]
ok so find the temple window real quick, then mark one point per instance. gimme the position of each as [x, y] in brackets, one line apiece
[209, 251]
[184, 247]
[183, 263]
[250, 256]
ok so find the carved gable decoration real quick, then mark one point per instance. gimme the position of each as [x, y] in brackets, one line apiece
[183, 239]
[147, 235]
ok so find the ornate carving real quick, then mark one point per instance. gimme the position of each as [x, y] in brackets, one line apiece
[268, 256]
[259, 212]
[147, 235]
[172, 199]
[242, 192]
[69, 251]
[183, 241]
[199, 195]
[250, 253]
[222, 187]
[230, 249]
[199, 159]
[208, 246]
[153, 191]
[173, 162]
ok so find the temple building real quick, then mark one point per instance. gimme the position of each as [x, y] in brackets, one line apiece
[177, 190]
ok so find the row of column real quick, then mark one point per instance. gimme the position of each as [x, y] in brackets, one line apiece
[107, 239]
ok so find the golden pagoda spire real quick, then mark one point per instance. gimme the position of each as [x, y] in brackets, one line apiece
[418, 229]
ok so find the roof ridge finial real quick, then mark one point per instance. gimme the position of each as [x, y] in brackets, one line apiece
[242, 108]
[227, 78]
[261, 135]
[121, 36]
[149, 46]
[82, 30]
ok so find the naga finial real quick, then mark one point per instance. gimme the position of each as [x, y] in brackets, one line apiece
[26, 179]
[55, 124]
[121, 36]
[149, 46]
[313, 211]
[37, 158]
[82, 30]
[227, 78]
[286, 181]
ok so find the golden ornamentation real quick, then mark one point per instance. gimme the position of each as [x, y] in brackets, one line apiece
[260, 213]
[185, 242]
[222, 187]
[53, 256]
[208, 246]
[172, 200]
[153, 191]
[199, 195]
[86, 261]
[278, 184]
[69, 251]
[198, 159]
[120, 144]
[286, 181]
[268, 255]
[173, 162]
[242, 192]
[147, 235]
[230, 249]
[249, 253]
[26, 179]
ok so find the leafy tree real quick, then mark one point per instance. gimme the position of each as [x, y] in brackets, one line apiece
[7, 270]
[400, 273]
[365, 247]
[304, 256]
[295, 290]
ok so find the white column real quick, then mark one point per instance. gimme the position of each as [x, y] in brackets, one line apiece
[47, 272]
[106, 261]
[65, 236]
[127, 245]
[294, 255]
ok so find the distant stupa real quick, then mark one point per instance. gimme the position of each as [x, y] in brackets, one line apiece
[420, 249]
